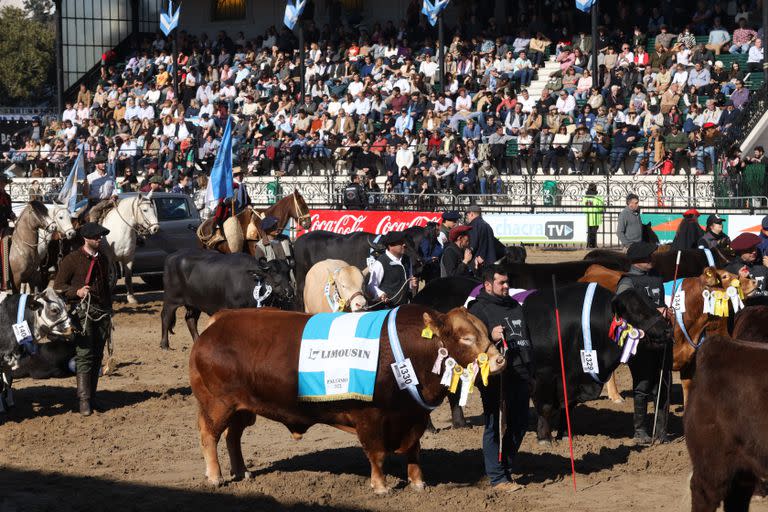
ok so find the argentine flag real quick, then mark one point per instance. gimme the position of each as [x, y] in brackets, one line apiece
[220, 184]
[68, 193]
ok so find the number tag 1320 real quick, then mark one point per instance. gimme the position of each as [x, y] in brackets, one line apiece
[404, 374]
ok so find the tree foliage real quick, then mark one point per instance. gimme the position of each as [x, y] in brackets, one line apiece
[26, 55]
[40, 10]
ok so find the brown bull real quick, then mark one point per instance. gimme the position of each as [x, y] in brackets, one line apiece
[245, 364]
[725, 424]
[752, 324]
[696, 323]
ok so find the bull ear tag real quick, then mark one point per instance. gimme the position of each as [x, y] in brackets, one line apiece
[427, 333]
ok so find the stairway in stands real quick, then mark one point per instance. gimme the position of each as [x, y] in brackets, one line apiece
[538, 85]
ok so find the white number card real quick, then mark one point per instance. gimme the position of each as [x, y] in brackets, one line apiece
[589, 361]
[22, 332]
[404, 374]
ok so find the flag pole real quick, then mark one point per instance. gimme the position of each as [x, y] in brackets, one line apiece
[440, 52]
[302, 64]
[595, 70]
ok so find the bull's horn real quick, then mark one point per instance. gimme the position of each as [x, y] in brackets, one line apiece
[374, 246]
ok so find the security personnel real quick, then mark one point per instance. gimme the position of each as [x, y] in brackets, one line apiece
[6, 215]
[714, 235]
[649, 363]
[83, 278]
[510, 391]
[354, 194]
[391, 280]
[450, 221]
[747, 260]
[457, 255]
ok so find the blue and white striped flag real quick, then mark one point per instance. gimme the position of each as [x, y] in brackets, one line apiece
[68, 193]
[584, 5]
[293, 12]
[220, 184]
[432, 10]
[169, 20]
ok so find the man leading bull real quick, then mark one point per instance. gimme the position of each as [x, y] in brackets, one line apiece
[646, 383]
[457, 256]
[83, 278]
[391, 281]
[506, 394]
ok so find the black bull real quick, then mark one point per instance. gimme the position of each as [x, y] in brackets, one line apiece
[539, 312]
[208, 281]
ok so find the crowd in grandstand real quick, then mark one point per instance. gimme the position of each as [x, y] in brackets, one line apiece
[665, 97]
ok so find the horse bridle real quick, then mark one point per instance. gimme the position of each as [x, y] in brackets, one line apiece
[141, 228]
[300, 216]
[48, 228]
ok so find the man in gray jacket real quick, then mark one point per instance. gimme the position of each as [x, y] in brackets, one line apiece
[630, 229]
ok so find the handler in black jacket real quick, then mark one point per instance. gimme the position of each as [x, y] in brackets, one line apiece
[481, 238]
[510, 391]
[457, 255]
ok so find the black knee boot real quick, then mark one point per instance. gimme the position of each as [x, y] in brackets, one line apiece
[641, 430]
[84, 393]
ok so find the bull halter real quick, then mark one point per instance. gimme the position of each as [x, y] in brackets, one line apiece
[335, 301]
[453, 372]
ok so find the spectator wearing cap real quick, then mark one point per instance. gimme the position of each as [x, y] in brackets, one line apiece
[747, 260]
[714, 234]
[629, 228]
[457, 255]
[390, 279]
[100, 185]
[650, 286]
[482, 238]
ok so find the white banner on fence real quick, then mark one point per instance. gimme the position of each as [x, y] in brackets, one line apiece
[539, 228]
[738, 224]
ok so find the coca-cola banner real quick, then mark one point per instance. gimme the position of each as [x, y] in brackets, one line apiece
[379, 222]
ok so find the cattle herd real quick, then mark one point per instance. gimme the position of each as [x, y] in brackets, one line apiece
[245, 362]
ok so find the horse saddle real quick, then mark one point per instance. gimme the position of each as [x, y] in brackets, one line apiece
[209, 235]
[100, 210]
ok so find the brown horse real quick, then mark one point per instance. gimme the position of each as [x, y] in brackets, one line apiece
[291, 206]
[25, 258]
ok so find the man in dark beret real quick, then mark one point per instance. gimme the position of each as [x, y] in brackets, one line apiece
[83, 278]
[747, 260]
[450, 220]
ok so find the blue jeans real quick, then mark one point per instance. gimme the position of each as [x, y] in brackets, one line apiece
[640, 156]
[516, 400]
[736, 49]
[702, 152]
[524, 76]
[484, 186]
[617, 158]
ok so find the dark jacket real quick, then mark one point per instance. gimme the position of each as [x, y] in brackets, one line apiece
[452, 263]
[72, 275]
[506, 311]
[482, 241]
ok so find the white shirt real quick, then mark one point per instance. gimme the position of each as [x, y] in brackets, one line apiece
[463, 103]
[566, 106]
[100, 187]
[527, 104]
[428, 68]
[354, 88]
[70, 114]
[377, 274]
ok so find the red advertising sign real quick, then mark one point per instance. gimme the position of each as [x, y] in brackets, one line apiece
[379, 222]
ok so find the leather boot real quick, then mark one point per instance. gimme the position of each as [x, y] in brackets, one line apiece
[95, 404]
[84, 393]
[638, 420]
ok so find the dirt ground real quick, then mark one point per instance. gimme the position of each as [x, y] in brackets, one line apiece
[142, 454]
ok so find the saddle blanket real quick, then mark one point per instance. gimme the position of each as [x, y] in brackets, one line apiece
[679, 295]
[339, 356]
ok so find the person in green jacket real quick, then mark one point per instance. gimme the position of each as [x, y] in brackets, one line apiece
[593, 207]
[275, 189]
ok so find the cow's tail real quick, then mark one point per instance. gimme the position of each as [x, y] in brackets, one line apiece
[171, 323]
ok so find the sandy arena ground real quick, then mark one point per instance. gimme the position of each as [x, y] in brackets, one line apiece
[142, 454]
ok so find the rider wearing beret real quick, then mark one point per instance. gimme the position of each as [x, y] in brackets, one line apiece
[747, 260]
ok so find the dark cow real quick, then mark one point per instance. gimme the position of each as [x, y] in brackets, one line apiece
[752, 324]
[52, 361]
[539, 312]
[725, 423]
[446, 293]
[45, 313]
[354, 248]
[208, 281]
[692, 261]
[245, 364]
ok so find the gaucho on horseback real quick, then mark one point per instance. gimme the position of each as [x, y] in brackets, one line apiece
[100, 190]
[6, 216]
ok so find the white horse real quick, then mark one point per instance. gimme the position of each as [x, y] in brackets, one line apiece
[132, 216]
[63, 219]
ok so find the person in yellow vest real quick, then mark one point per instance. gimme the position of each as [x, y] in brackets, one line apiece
[593, 207]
